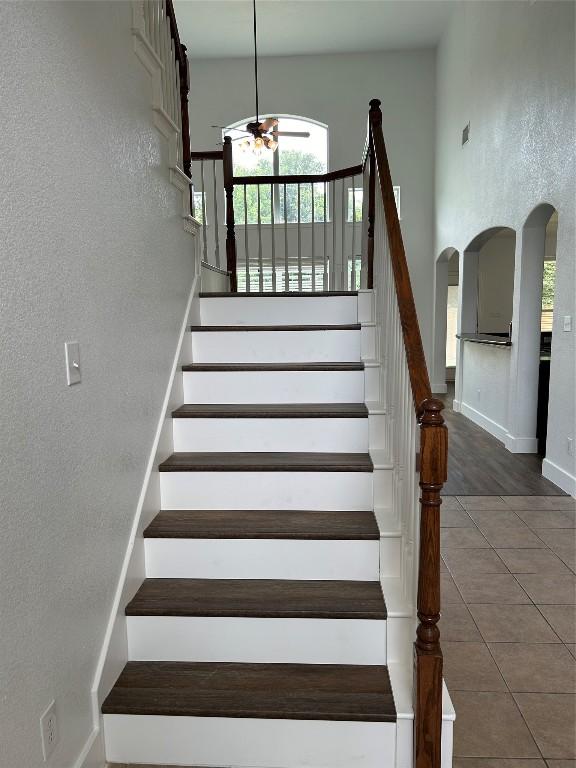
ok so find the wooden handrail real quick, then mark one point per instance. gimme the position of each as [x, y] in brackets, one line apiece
[303, 178]
[432, 466]
[181, 57]
[210, 154]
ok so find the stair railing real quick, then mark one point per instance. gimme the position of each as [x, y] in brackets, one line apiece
[413, 416]
[155, 24]
[293, 232]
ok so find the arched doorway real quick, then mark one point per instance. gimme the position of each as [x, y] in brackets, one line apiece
[532, 334]
[484, 320]
[445, 319]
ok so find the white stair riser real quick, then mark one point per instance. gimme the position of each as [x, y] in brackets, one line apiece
[267, 490]
[276, 346]
[256, 640]
[330, 435]
[263, 559]
[274, 387]
[293, 310]
[248, 743]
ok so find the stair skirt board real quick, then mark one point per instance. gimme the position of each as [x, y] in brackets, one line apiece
[274, 386]
[348, 435]
[257, 640]
[280, 310]
[268, 490]
[214, 742]
[323, 346]
[272, 559]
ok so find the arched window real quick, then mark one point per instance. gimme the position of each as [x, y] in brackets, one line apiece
[295, 154]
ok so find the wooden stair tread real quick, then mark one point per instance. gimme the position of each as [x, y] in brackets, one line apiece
[263, 524]
[262, 598]
[267, 462]
[277, 691]
[277, 294]
[234, 328]
[273, 411]
[220, 367]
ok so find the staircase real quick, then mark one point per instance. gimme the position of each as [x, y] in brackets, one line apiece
[259, 637]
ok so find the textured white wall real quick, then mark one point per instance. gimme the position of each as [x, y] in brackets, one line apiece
[335, 90]
[487, 369]
[508, 68]
[496, 284]
[91, 249]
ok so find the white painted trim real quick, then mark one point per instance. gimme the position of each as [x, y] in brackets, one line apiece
[133, 570]
[521, 444]
[559, 477]
[92, 754]
[439, 388]
[212, 268]
[495, 429]
[456, 406]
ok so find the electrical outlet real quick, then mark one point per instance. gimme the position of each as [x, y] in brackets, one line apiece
[49, 730]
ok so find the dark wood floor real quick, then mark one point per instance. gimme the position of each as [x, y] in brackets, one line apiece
[480, 465]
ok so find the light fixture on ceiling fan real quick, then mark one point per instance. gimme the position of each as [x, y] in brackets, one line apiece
[262, 133]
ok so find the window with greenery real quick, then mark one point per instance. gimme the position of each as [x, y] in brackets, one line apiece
[294, 155]
[548, 286]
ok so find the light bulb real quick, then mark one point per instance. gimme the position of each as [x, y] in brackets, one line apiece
[244, 145]
[272, 144]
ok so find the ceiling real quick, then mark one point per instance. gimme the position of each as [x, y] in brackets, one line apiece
[223, 28]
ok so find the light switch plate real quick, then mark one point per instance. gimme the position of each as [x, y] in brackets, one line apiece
[567, 322]
[73, 374]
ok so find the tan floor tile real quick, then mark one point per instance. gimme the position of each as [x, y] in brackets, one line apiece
[482, 502]
[490, 725]
[572, 648]
[537, 519]
[448, 590]
[512, 623]
[473, 561]
[548, 590]
[532, 561]
[457, 624]
[558, 539]
[462, 538]
[512, 538]
[497, 588]
[450, 502]
[561, 763]
[562, 619]
[565, 503]
[496, 518]
[551, 718]
[497, 762]
[455, 518]
[536, 668]
[470, 667]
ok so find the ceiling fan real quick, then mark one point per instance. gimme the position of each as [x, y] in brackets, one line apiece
[262, 132]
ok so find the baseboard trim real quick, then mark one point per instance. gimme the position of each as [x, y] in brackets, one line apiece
[495, 429]
[440, 388]
[559, 477]
[521, 444]
[132, 571]
[92, 754]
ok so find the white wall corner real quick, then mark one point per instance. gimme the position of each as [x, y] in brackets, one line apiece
[559, 477]
[114, 653]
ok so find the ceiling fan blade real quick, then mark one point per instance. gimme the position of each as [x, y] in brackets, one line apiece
[298, 134]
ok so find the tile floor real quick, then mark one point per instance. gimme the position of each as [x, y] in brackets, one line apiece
[508, 629]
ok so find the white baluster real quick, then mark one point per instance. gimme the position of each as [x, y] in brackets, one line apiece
[260, 260]
[273, 231]
[299, 245]
[325, 244]
[246, 250]
[286, 264]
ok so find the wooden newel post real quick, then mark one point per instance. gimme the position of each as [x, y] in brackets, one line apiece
[375, 118]
[228, 170]
[427, 651]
